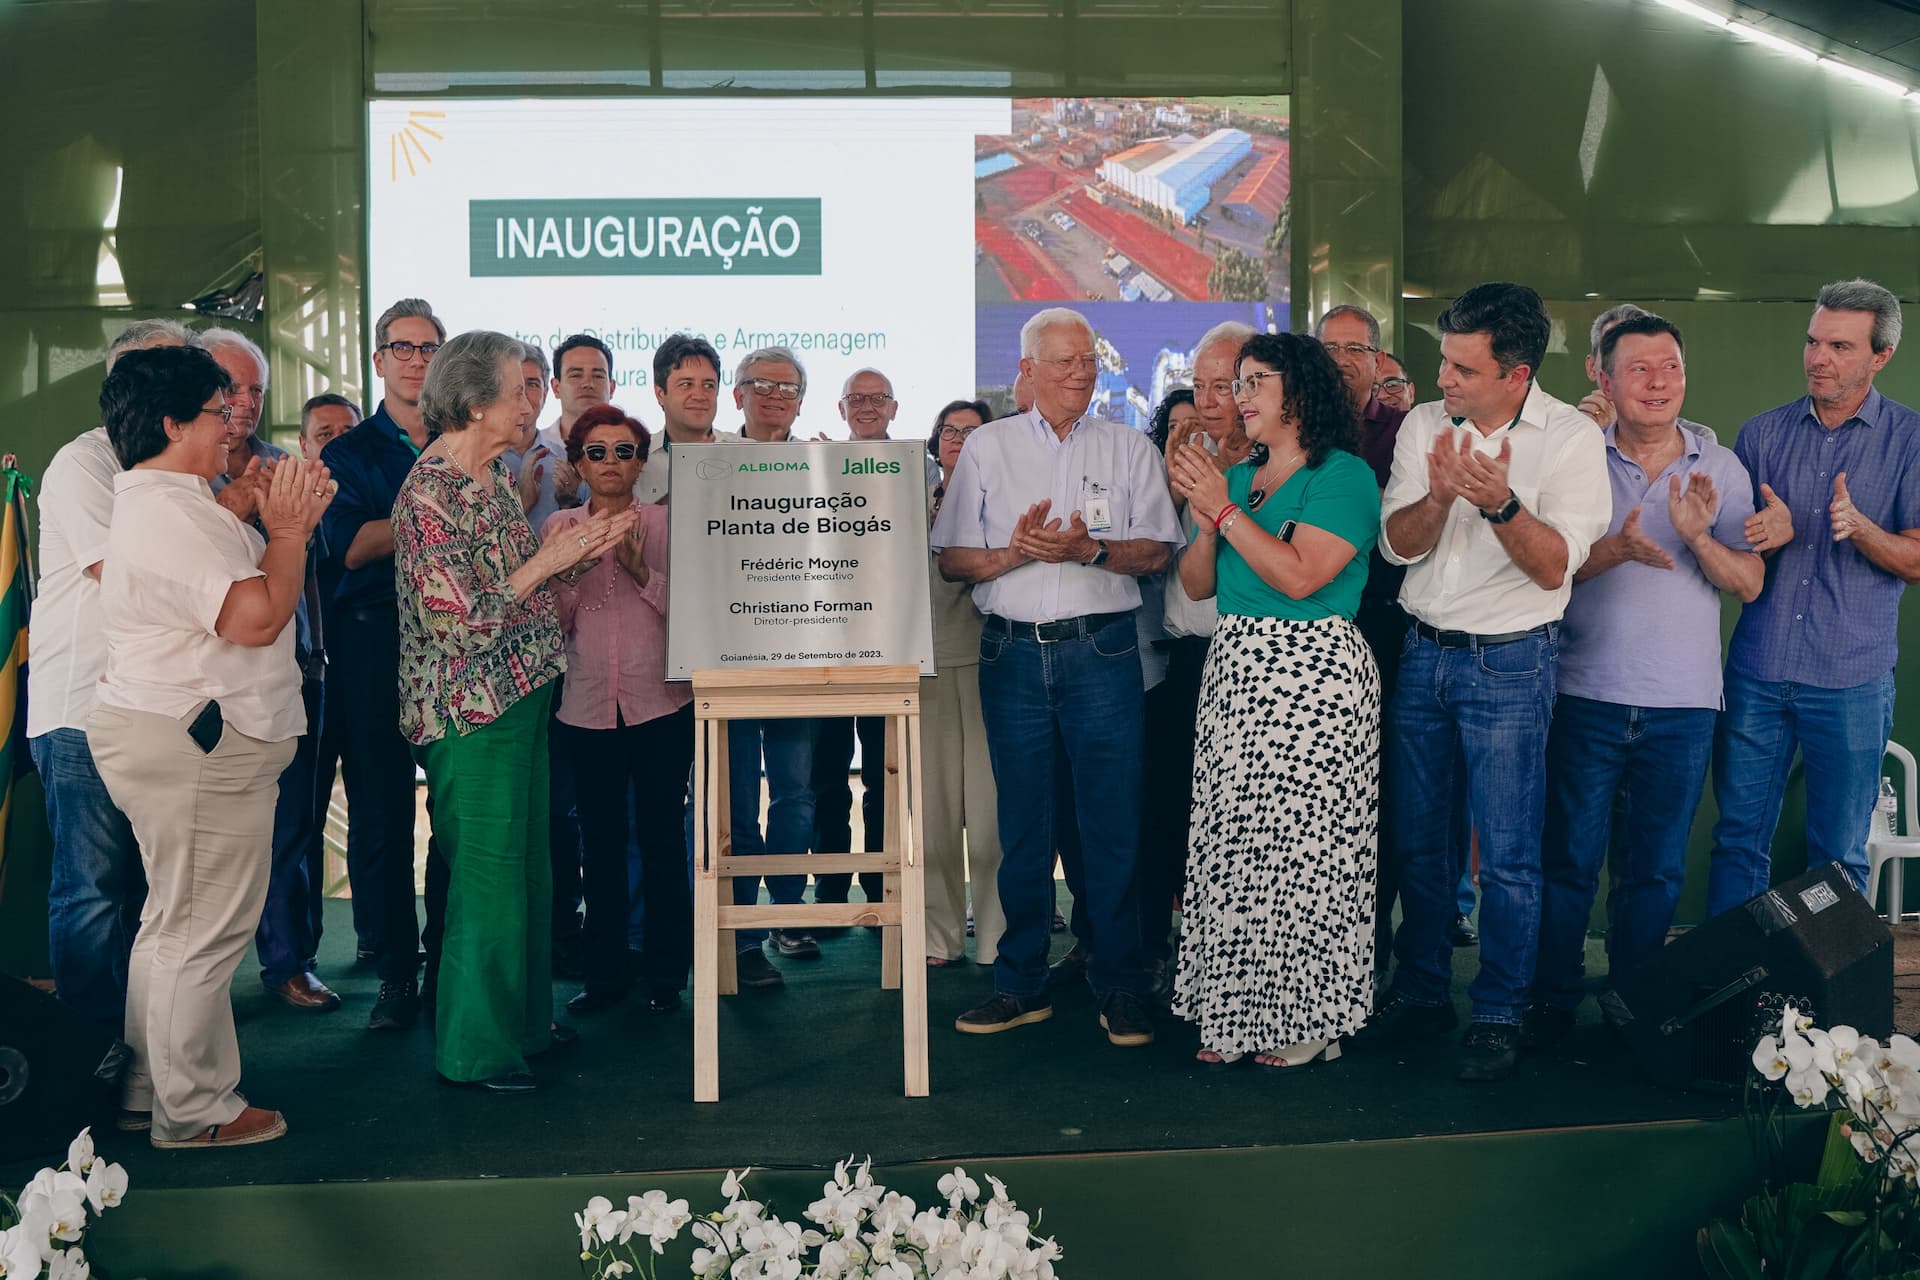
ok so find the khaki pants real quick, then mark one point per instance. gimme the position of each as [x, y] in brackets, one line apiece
[962, 818]
[205, 826]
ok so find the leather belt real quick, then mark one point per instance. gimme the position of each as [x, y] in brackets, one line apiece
[1469, 640]
[1054, 632]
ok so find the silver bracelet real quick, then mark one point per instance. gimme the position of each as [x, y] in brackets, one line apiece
[1226, 526]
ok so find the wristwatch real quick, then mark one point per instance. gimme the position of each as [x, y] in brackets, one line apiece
[1506, 511]
[1099, 557]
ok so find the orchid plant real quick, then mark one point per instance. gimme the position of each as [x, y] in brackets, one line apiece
[859, 1229]
[47, 1226]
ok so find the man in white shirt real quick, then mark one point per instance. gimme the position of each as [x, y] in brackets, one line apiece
[686, 386]
[98, 886]
[1053, 515]
[582, 378]
[1496, 494]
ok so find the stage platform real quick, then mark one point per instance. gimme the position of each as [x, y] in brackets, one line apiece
[1375, 1165]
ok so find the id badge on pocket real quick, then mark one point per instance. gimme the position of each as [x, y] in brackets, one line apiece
[1096, 506]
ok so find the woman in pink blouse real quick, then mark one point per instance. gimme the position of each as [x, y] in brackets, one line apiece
[624, 724]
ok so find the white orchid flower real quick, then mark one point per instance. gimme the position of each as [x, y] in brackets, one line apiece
[707, 1264]
[1905, 1051]
[617, 1268]
[589, 1221]
[1768, 1059]
[80, 1151]
[106, 1185]
[957, 1187]
[1807, 1086]
[19, 1252]
[1797, 1050]
[70, 1264]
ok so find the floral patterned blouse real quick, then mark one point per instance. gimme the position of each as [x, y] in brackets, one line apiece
[468, 650]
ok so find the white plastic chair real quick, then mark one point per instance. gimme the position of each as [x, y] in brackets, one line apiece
[1892, 851]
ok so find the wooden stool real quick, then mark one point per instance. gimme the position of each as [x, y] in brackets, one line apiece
[721, 696]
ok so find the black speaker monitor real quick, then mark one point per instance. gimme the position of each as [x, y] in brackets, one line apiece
[58, 1074]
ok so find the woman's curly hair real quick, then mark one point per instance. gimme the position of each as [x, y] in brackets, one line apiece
[1163, 416]
[1316, 396]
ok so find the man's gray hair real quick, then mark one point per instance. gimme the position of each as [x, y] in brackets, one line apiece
[1348, 309]
[1606, 320]
[406, 308]
[218, 340]
[465, 376]
[847, 386]
[1226, 331]
[771, 355]
[1865, 295]
[1051, 318]
[538, 355]
[142, 334]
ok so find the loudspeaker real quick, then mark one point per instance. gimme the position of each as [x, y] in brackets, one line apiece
[1692, 1013]
[58, 1074]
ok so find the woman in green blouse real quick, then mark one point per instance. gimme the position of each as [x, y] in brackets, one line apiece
[1276, 961]
[480, 648]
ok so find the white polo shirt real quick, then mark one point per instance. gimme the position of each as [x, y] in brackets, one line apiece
[1468, 582]
[68, 646]
[172, 555]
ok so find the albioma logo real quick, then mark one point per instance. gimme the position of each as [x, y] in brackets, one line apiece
[756, 237]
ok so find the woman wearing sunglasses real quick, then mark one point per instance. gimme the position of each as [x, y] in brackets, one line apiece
[623, 724]
[1276, 960]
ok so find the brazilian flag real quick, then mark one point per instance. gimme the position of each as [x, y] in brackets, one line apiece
[15, 583]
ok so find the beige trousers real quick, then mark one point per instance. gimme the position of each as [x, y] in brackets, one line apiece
[962, 818]
[205, 826]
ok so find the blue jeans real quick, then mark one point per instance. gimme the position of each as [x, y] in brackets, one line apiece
[1656, 760]
[1488, 707]
[788, 750]
[286, 937]
[98, 884]
[1841, 735]
[1088, 692]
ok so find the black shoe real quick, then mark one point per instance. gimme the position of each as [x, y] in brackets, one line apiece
[1544, 1026]
[1003, 1013]
[1125, 1019]
[753, 969]
[590, 1001]
[513, 1082]
[1069, 967]
[663, 1002]
[396, 1009]
[794, 944]
[1160, 984]
[1489, 1051]
[1399, 1021]
[1463, 934]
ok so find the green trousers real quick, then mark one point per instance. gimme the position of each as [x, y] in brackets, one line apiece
[489, 790]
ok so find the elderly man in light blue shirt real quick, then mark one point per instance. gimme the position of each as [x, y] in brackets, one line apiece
[1053, 514]
[1639, 674]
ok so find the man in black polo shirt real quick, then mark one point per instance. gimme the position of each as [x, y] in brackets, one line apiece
[369, 462]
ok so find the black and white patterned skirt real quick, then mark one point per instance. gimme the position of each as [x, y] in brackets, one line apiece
[1278, 940]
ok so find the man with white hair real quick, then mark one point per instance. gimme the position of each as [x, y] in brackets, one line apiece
[98, 885]
[1052, 515]
[1596, 404]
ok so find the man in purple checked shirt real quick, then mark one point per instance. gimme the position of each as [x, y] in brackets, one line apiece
[1639, 675]
[1811, 663]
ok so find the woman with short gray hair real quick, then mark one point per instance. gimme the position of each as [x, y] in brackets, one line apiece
[480, 648]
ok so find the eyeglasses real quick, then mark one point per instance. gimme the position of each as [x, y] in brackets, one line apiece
[1394, 384]
[879, 400]
[768, 387]
[224, 413]
[956, 433]
[1248, 387]
[1068, 364]
[598, 452]
[1357, 350]
[407, 350]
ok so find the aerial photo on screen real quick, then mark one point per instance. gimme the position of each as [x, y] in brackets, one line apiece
[1134, 199]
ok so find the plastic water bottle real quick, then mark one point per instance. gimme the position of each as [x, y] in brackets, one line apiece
[1889, 808]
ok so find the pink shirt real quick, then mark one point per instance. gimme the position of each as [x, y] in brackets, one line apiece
[616, 633]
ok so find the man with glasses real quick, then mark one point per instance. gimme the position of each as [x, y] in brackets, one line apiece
[768, 387]
[1052, 515]
[1394, 388]
[867, 407]
[369, 462]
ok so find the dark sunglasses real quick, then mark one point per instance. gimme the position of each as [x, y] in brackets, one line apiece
[598, 452]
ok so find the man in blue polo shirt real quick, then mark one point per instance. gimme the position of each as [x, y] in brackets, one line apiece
[1639, 674]
[1811, 663]
[369, 462]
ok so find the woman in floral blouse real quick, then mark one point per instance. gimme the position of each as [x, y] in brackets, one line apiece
[479, 650]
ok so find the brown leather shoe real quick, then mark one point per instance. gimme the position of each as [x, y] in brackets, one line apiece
[250, 1126]
[304, 991]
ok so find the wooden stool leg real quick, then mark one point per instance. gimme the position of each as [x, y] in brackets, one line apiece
[913, 913]
[720, 823]
[706, 926]
[890, 956]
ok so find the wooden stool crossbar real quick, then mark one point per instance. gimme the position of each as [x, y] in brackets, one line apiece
[723, 696]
